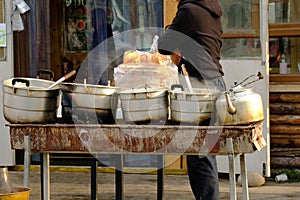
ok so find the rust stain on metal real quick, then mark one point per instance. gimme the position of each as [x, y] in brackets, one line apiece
[137, 138]
[131, 140]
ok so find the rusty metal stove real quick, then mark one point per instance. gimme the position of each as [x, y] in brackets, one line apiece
[147, 139]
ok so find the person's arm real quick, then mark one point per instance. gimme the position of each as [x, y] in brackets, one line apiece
[176, 57]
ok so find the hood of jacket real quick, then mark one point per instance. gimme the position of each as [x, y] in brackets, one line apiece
[212, 6]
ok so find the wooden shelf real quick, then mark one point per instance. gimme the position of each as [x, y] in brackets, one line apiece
[284, 78]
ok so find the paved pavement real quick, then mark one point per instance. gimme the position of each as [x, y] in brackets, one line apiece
[75, 185]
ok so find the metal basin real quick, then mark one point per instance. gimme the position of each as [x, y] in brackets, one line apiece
[17, 194]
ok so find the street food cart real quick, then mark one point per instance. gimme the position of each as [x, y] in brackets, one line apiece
[121, 139]
[233, 141]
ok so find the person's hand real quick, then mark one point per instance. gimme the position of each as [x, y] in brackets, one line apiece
[176, 57]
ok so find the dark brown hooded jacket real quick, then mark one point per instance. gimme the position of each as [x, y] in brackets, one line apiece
[196, 30]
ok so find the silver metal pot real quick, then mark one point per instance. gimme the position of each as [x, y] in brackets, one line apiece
[86, 103]
[144, 106]
[195, 107]
[28, 100]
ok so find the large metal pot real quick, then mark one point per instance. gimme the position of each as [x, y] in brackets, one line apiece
[28, 100]
[239, 106]
[86, 103]
[195, 107]
[144, 106]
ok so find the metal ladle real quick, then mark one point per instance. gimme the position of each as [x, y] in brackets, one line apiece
[68, 75]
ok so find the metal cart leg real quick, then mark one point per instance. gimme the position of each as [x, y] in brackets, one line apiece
[119, 177]
[243, 167]
[160, 177]
[46, 176]
[232, 180]
[42, 172]
[27, 152]
[94, 165]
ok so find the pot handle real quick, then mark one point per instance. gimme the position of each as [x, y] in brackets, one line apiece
[177, 86]
[13, 82]
[45, 71]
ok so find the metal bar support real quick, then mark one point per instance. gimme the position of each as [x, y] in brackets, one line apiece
[244, 176]
[119, 177]
[160, 177]
[232, 180]
[94, 165]
[46, 176]
[27, 156]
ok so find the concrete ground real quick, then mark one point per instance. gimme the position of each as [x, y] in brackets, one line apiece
[75, 185]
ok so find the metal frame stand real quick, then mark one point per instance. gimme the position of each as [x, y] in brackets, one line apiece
[45, 173]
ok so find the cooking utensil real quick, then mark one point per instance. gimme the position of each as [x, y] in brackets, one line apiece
[144, 105]
[187, 79]
[86, 103]
[193, 107]
[28, 100]
[240, 105]
[68, 75]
